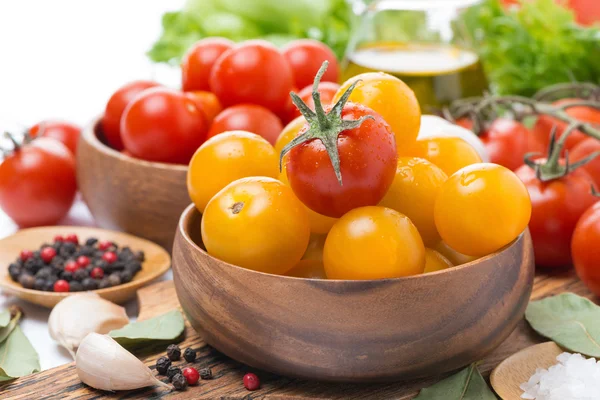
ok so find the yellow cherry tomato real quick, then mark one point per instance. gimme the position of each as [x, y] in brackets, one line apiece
[413, 194]
[226, 157]
[312, 269]
[373, 243]
[389, 97]
[448, 153]
[452, 255]
[256, 223]
[482, 208]
[434, 261]
[319, 224]
[314, 251]
[290, 131]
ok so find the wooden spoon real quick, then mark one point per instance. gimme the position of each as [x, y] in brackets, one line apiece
[518, 368]
[157, 261]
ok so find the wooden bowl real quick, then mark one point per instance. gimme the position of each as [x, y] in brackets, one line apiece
[336, 330]
[157, 262]
[130, 195]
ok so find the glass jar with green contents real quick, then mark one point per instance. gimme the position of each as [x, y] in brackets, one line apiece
[422, 42]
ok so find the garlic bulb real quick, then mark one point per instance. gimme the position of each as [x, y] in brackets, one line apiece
[103, 364]
[77, 315]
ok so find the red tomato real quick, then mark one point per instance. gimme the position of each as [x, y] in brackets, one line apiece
[163, 125]
[206, 102]
[557, 206]
[37, 183]
[587, 12]
[111, 121]
[544, 124]
[254, 72]
[306, 57]
[249, 118]
[327, 91]
[367, 163]
[465, 123]
[584, 149]
[585, 248]
[506, 142]
[199, 60]
[64, 132]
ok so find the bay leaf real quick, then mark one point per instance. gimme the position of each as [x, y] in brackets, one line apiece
[467, 384]
[17, 356]
[4, 318]
[167, 326]
[5, 331]
[572, 321]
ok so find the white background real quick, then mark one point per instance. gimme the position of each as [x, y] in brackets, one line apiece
[63, 59]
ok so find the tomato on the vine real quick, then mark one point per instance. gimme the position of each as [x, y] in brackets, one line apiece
[557, 206]
[506, 141]
[198, 61]
[306, 56]
[585, 248]
[64, 132]
[288, 133]
[327, 91]
[111, 121]
[265, 73]
[481, 208]
[256, 223]
[413, 193]
[226, 158]
[448, 153]
[163, 125]
[584, 149]
[206, 102]
[37, 182]
[250, 118]
[389, 97]
[373, 243]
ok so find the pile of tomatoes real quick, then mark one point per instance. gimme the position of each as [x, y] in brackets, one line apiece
[225, 87]
[349, 191]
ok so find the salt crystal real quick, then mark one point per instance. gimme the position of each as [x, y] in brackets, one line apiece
[573, 378]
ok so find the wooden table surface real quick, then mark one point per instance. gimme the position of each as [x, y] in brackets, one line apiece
[62, 382]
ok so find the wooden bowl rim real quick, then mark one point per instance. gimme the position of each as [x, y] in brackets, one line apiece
[89, 135]
[187, 214]
[7, 283]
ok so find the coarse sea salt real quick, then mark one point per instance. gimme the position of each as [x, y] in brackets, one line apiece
[573, 378]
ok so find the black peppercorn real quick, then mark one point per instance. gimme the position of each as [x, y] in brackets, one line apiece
[89, 284]
[14, 271]
[206, 373]
[39, 284]
[80, 275]
[126, 276]
[48, 286]
[189, 354]
[86, 251]
[104, 283]
[162, 365]
[101, 264]
[133, 266]
[75, 286]
[114, 279]
[173, 352]
[69, 248]
[27, 281]
[44, 273]
[172, 371]
[179, 382]
[141, 257]
[91, 241]
[66, 275]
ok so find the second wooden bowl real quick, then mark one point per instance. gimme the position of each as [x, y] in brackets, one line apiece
[130, 195]
[337, 330]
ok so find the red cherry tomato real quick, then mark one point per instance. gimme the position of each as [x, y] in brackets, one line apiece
[64, 132]
[163, 125]
[111, 121]
[199, 60]
[327, 91]
[367, 164]
[585, 248]
[556, 208]
[206, 102]
[37, 183]
[254, 72]
[584, 149]
[306, 57]
[250, 118]
[506, 141]
[544, 124]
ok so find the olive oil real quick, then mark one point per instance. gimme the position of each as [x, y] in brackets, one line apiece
[437, 74]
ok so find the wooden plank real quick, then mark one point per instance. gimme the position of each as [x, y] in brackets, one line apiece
[62, 382]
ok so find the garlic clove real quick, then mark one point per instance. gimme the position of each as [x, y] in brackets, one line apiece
[103, 364]
[77, 315]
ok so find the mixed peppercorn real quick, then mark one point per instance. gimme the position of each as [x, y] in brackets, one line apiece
[68, 266]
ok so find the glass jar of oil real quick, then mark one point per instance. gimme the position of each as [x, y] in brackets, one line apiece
[422, 42]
